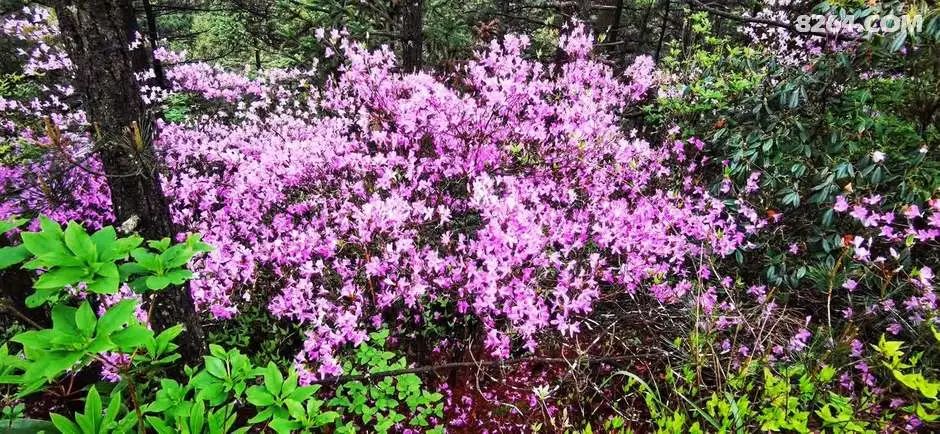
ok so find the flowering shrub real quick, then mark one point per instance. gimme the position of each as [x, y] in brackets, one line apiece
[513, 196]
[828, 144]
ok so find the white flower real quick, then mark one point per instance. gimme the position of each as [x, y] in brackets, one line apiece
[877, 156]
[542, 392]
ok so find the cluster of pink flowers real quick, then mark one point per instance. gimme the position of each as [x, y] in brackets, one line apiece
[885, 235]
[508, 192]
[60, 189]
[516, 198]
[796, 48]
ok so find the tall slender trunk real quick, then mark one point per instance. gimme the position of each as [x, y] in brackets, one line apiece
[412, 37]
[97, 34]
[662, 31]
[641, 43]
[615, 25]
[154, 36]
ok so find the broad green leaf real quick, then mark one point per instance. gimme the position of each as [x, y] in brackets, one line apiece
[85, 319]
[64, 425]
[259, 396]
[109, 269]
[114, 407]
[197, 416]
[159, 425]
[215, 366]
[166, 336]
[59, 278]
[132, 337]
[302, 393]
[284, 426]
[41, 296]
[38, 339]
[178, 277]
[63, 319]
[118, 315]
[80, 243]
[39, 243]
[147, 260]
[93, 406]
[105, 285]
[295, 409]
[160, 245]
[10, 223]
[50, 227]
[156, 283]
[105, 241]
[55, 259]
[12, 255]
[273, 379]
[123, 246]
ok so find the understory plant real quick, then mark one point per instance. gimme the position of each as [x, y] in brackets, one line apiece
[79, 270]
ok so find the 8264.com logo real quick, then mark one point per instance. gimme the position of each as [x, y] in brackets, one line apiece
[866, 26]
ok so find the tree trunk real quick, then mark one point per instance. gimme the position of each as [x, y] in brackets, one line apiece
[614, 33]
[97, 34]
[412, 38]
[662, 31]
[154, 36]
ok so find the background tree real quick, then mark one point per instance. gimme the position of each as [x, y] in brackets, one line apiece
[97, 36]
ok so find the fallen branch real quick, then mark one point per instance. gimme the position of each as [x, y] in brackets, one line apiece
[507, 362]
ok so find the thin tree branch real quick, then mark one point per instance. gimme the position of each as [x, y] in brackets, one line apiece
[425, 369]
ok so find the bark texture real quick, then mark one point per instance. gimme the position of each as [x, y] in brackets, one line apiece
[412, 37]
[97, 34]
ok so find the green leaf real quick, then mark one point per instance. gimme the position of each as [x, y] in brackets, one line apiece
[284, 426]
[123, 246]
[197, 416]
[50, 226]
[55, 259]
[156, 283]
[147, 260]
[295, 409]
[12, 255]
[80, 243]
[64, 425]
[273, 379]
[118, 315]
[34, 339]
[41, 246]
[132, 337]
[114, 407]
[63, 319]
[59, 278]
[85, 319]
[178, 277]
[302, 393]
[215, 366]
[105, 285]
[177, 256]
[159, 425]
[166, 336]
[262, 415]
[214, 392]
[93, 407]
[260, 397]
[10, 223]
[109, 269]
[160, 245]
[105, 241]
